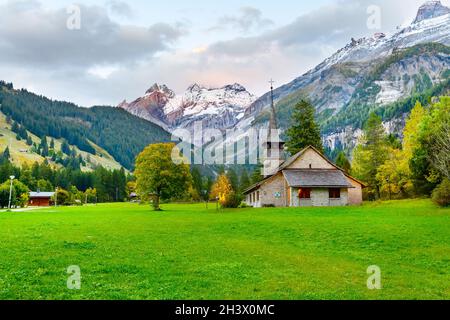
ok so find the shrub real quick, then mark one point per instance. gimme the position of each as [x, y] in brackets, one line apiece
[63, 198]
[232, 200]
[441, 195]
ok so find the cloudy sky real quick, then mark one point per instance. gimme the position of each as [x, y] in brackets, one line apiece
[120, 48]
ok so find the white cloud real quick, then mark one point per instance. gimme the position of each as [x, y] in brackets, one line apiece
[248, 19]
[42, 40]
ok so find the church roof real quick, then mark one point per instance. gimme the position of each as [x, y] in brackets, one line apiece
[313, 178]
[316, 176]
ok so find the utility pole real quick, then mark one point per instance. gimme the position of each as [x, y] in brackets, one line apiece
[56, 197]
[10, 191]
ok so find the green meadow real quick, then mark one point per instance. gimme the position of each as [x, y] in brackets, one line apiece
[126, 251]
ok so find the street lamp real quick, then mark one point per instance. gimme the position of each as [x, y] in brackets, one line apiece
[10, 191]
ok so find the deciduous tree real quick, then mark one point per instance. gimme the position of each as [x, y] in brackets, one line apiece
[160, 176]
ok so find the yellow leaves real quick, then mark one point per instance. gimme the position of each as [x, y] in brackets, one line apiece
[394, 175]
[222, 189]
[411, 133]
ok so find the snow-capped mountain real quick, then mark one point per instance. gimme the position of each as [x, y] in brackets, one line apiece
[217, 108]
[380, 71]
[371, 72]
[356, 58]
[431, 9]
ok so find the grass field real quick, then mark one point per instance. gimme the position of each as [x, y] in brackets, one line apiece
[126, 251]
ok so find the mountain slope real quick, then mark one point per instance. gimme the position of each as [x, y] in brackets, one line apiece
[22, 153]
[119, 133]
[375, 73]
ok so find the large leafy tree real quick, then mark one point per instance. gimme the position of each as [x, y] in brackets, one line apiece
[304, 131]
[430, 161]
[437, 125]
[395, 175]
[161, 174]
[370, 154]
[19, 195]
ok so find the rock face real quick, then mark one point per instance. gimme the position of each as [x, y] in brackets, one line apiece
[431, 9]
[374, 71]
[216, 108]
[151, 105]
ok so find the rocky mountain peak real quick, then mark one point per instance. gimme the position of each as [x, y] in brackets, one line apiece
[431, 9]
[161, 89]
[194, 87]
[235, 87]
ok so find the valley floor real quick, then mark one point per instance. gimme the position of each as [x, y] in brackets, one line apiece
[126, 251]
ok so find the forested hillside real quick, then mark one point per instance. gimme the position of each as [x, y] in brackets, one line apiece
[118, 132]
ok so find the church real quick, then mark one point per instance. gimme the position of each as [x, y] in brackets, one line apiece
[307, 179]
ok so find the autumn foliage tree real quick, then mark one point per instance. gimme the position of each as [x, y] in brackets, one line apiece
[223, 191]
[161, 174]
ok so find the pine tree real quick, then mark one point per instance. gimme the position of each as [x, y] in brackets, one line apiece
[15, 127]
[65, 148]
[245, 180]
[234, 179]
[342, 162]
[6, 154]
[43, 147]
[304, 131]
[197, 181]
[257, 174]
[371, 154]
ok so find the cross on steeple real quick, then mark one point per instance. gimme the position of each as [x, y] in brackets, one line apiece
[271, 83]
[273, 119]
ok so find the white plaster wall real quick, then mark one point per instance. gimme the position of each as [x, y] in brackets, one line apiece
[319, 198]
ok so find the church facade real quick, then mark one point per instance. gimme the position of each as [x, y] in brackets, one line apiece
[308, 179]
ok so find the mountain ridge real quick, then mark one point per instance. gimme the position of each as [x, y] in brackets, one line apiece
[216, 107]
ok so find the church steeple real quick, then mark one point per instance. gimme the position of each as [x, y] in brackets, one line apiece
[274, 146]
[273, 125]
